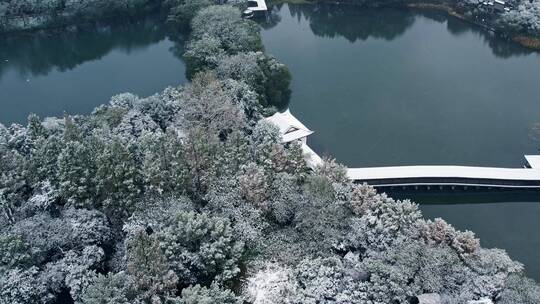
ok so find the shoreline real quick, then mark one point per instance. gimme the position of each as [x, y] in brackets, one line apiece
[444, 8]
[532, 43]
[528, 42]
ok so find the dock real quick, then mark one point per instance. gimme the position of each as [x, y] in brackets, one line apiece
[291, 129]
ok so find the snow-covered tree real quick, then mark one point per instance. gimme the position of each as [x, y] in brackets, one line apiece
[273, 284]
[14, 252]
[520, 289]
[148, 267]
[284, 198]
[182, 11]
[200, 248]
[225, 23]
[202, 295]
[77, 172]
[384, 224]
[202, 54]
[112, 288]
[118, 177]
[524, 19]
[164, 168]
[208, 106]
[252, 184]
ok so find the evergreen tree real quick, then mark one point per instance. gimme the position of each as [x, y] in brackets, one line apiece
[147, 265]
[77, 172]
[118, 177]
[35, 131]
[232, 155]
[200, 149]
[164, 167]
[112, 288]
[44, 160]
[200, 249]
[14, 252]
[203, 295]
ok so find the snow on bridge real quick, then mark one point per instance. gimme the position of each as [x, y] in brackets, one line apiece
[451, 175]
[292, 129]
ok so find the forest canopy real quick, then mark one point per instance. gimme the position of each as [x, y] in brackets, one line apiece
[189, 196]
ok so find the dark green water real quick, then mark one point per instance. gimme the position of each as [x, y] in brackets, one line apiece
[379, 87]
[76, 70]
[392, 87]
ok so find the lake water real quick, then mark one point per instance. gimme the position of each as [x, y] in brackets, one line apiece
[74, 71]
[390, 87]
[387, 87]
[379, 87]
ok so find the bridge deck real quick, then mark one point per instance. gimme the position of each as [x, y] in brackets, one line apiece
[447, 175]
[289, 126]
[451, 175]
[406, 172]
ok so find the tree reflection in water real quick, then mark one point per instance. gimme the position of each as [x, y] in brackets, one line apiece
[38, 53]
[355, 23]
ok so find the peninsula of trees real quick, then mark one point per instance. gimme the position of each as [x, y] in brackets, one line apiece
[189, 196]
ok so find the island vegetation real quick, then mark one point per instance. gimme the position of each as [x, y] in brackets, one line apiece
[517, 19]
[189, 196]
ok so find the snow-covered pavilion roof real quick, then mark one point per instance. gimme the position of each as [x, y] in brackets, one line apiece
[261, 5]
[290, 128]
